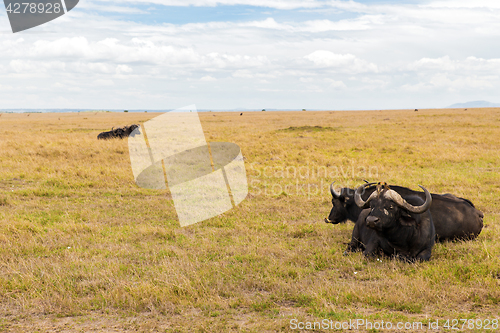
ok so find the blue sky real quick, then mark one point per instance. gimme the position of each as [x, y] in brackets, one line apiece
[149, 13]
[340, 55]
[159, 13]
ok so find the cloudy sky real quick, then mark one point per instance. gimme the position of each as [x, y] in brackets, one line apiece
[285, 54]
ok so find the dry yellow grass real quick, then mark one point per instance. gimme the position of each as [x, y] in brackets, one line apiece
[82, 248]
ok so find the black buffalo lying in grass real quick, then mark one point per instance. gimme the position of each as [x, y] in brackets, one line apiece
[454, 218]
[396, 225]
[118, 133]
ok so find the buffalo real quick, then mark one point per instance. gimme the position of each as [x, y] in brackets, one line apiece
[454, 218]
[343, 206]
[399, 226]
[106, 135]
[119, 133]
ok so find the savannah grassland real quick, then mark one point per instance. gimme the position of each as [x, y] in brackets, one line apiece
[82, 248]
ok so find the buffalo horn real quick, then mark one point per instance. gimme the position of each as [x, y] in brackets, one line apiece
[396, 197]
[335, 194]
[357, 196]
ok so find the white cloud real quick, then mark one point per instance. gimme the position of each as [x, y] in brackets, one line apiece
[363, 23]
[268, 23]
[32, 67]
[233, 60]
[123, 69]
[103, 83]
[335, 84]
[467, 65]
[442, 64]
[66, 87]
[208, 78]
[452, 84]
[243, 73]
[110, 8]
[387, 53]
[481, 4]
[278, 4]
[342, 62]
[138, 51]
[63, 47]
[11, 43]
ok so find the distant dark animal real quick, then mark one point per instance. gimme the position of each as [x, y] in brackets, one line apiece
[416, 109]
[454, 218]
[107, 135]
[241, 114]
[129, 129]
[119, 133]
[395, 225]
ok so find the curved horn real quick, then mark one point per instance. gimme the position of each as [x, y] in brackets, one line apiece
[396, 197]
[357, 195]
[335, 194]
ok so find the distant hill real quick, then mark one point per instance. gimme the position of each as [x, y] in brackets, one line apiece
[475, 104]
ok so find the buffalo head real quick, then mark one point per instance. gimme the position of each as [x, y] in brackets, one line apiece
[341, 203]
[129, 129]
[388, 206]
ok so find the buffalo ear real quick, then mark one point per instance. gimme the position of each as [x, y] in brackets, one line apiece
[407, 220]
